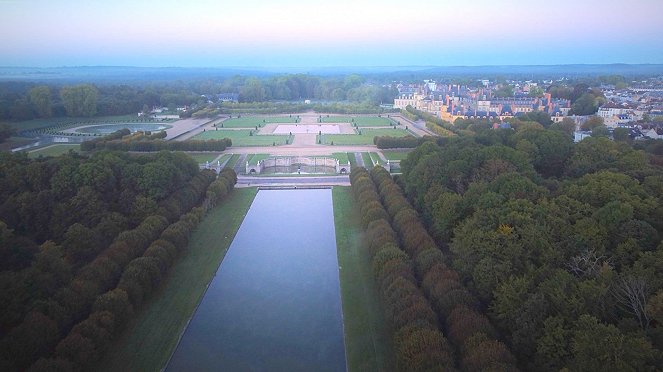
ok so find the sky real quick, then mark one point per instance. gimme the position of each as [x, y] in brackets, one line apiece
[314, 33]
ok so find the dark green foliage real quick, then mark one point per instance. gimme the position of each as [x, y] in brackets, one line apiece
[101, 214]
[388, 142]
[560, 242]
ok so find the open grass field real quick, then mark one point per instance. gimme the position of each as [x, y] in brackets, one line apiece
[255, 121]
[368, 162]
[362, 121]
[365, 138]
[232, 161]
[375, 158]
[203, 157]
[342, 157]
[256, 158]
[352, 159]
[54, 150]
[150, 339]
[242, 138]
[367, 343]
[395, 155]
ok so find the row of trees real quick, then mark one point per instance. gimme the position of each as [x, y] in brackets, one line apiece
[25, 101]
[419, 344]
[470, 331]
[123, 140]
[122, 204]
[389, 142]
[560, 241]
[88, 340]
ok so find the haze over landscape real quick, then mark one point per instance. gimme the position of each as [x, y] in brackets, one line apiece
[341, 186]
[205, 33]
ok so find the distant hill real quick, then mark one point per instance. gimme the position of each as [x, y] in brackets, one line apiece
[111, 74]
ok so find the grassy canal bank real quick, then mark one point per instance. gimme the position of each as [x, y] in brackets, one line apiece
[367, 343]
[151, 338]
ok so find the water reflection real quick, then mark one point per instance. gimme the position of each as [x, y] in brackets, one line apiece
[274, 304]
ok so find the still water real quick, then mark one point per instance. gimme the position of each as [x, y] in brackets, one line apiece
[275, 302]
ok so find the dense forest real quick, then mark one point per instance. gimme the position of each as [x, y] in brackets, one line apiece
[24, 101]
[84, 241]
[558, 245]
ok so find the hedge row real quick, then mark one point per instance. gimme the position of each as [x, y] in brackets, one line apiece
[419, 344]
[41, 330]
[470, 331]
[122, 140]
[89, 340]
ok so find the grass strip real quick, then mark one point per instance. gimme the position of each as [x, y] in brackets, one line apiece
[152, 336]
[367, 342]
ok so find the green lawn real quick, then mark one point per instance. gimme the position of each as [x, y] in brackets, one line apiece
[254, 121]
[242, 138]
[148, 342]
[395, 155]
[232, 161]
[365, 138]
[256, 158]
[54, 150]
[342, 157]
[225, 157]
[367, 343]
[362, 121]
[352, 159]
[368, 162]
[203, 157]
[375, 158]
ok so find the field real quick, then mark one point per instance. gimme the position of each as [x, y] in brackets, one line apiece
[395, 155]
[362, 121]
[255, 121]
[368, 162]
[242, 138]
[256, 158]
[149, 340]
[54, 150]
[375, 158]
[203, 157]
[342, 157]
[367, 343]
[232, 161]
[366, 138]
[352, 159]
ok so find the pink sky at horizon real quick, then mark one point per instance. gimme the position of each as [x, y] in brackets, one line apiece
[291, 32]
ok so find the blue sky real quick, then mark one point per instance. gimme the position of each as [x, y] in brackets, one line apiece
[313, 33]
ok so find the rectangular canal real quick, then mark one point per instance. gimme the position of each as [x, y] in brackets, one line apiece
[274, 304]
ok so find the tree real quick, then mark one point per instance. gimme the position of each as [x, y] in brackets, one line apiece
[615, 351]
[587, 104]
[600, 131]
[591, 123]
[6, 131]
[80, 100]
[621, 134]
[40, 98]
